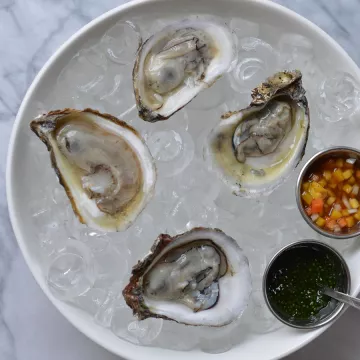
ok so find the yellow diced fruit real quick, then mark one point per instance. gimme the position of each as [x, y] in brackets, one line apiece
[305, 186]
[347, 174]
[307, 197]
[352, 181]
[331, 200]
[350, 221]
[317, 191]
[332, 185]
[357, 216]
[322, 182]
[347, 188]
[335, 214]
[345, 212]
[354, 203]
[339, 163]
[320, 222]
[337, 176]
[327, 175]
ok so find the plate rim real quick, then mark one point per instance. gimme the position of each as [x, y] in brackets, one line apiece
[143, 352]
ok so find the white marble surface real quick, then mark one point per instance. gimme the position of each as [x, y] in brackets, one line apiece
[30, 31]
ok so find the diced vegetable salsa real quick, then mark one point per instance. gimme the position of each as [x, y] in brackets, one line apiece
[330, 194]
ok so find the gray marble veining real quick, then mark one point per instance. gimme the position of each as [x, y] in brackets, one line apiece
[30, 31]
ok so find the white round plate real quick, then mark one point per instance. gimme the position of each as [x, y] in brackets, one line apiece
[21, 179]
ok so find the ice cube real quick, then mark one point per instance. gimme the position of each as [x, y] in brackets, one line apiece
[172, 150]
[110, 266]
[105, 312]
[117, 95]
[121, 42]
[338, 96]
[263, 320]
[91, 300]
[257, 60]
[296, 51]
[97, 241]
[71, 272]
[84, 73]
[177, 336]
[244, 28]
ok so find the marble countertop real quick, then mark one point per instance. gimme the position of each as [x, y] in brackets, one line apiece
[30, 31]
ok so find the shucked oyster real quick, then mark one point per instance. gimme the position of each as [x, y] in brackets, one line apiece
[256, 148]
[200, 277]
[103, 164]
[175, 64]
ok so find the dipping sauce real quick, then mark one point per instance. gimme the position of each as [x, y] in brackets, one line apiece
[295, 279]
[330, 194]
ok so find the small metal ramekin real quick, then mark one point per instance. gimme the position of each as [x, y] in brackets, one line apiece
[327, 153]
[326, 317]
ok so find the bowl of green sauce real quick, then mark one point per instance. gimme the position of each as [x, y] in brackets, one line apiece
[293, 282]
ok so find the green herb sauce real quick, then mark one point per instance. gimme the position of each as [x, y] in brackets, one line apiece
[296, 278]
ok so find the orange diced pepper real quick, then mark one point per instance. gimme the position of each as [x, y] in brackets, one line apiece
[330, 224]
[317, 206]
[342, 222]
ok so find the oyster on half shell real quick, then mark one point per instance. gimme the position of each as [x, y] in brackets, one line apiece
[178, 62]
[255, 149]
[200, 277]
[105, 167]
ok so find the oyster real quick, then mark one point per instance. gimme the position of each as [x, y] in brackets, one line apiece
[200, 277]
[175, 64]
[255, 149]
[103, 164]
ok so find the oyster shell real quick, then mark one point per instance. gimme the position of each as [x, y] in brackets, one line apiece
[103, 164]
[255, 149]
[175, 64]
[200, 277]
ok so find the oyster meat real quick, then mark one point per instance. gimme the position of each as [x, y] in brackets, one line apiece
[103, 164]
[175, 64]
[200, 277]
[255, 149]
